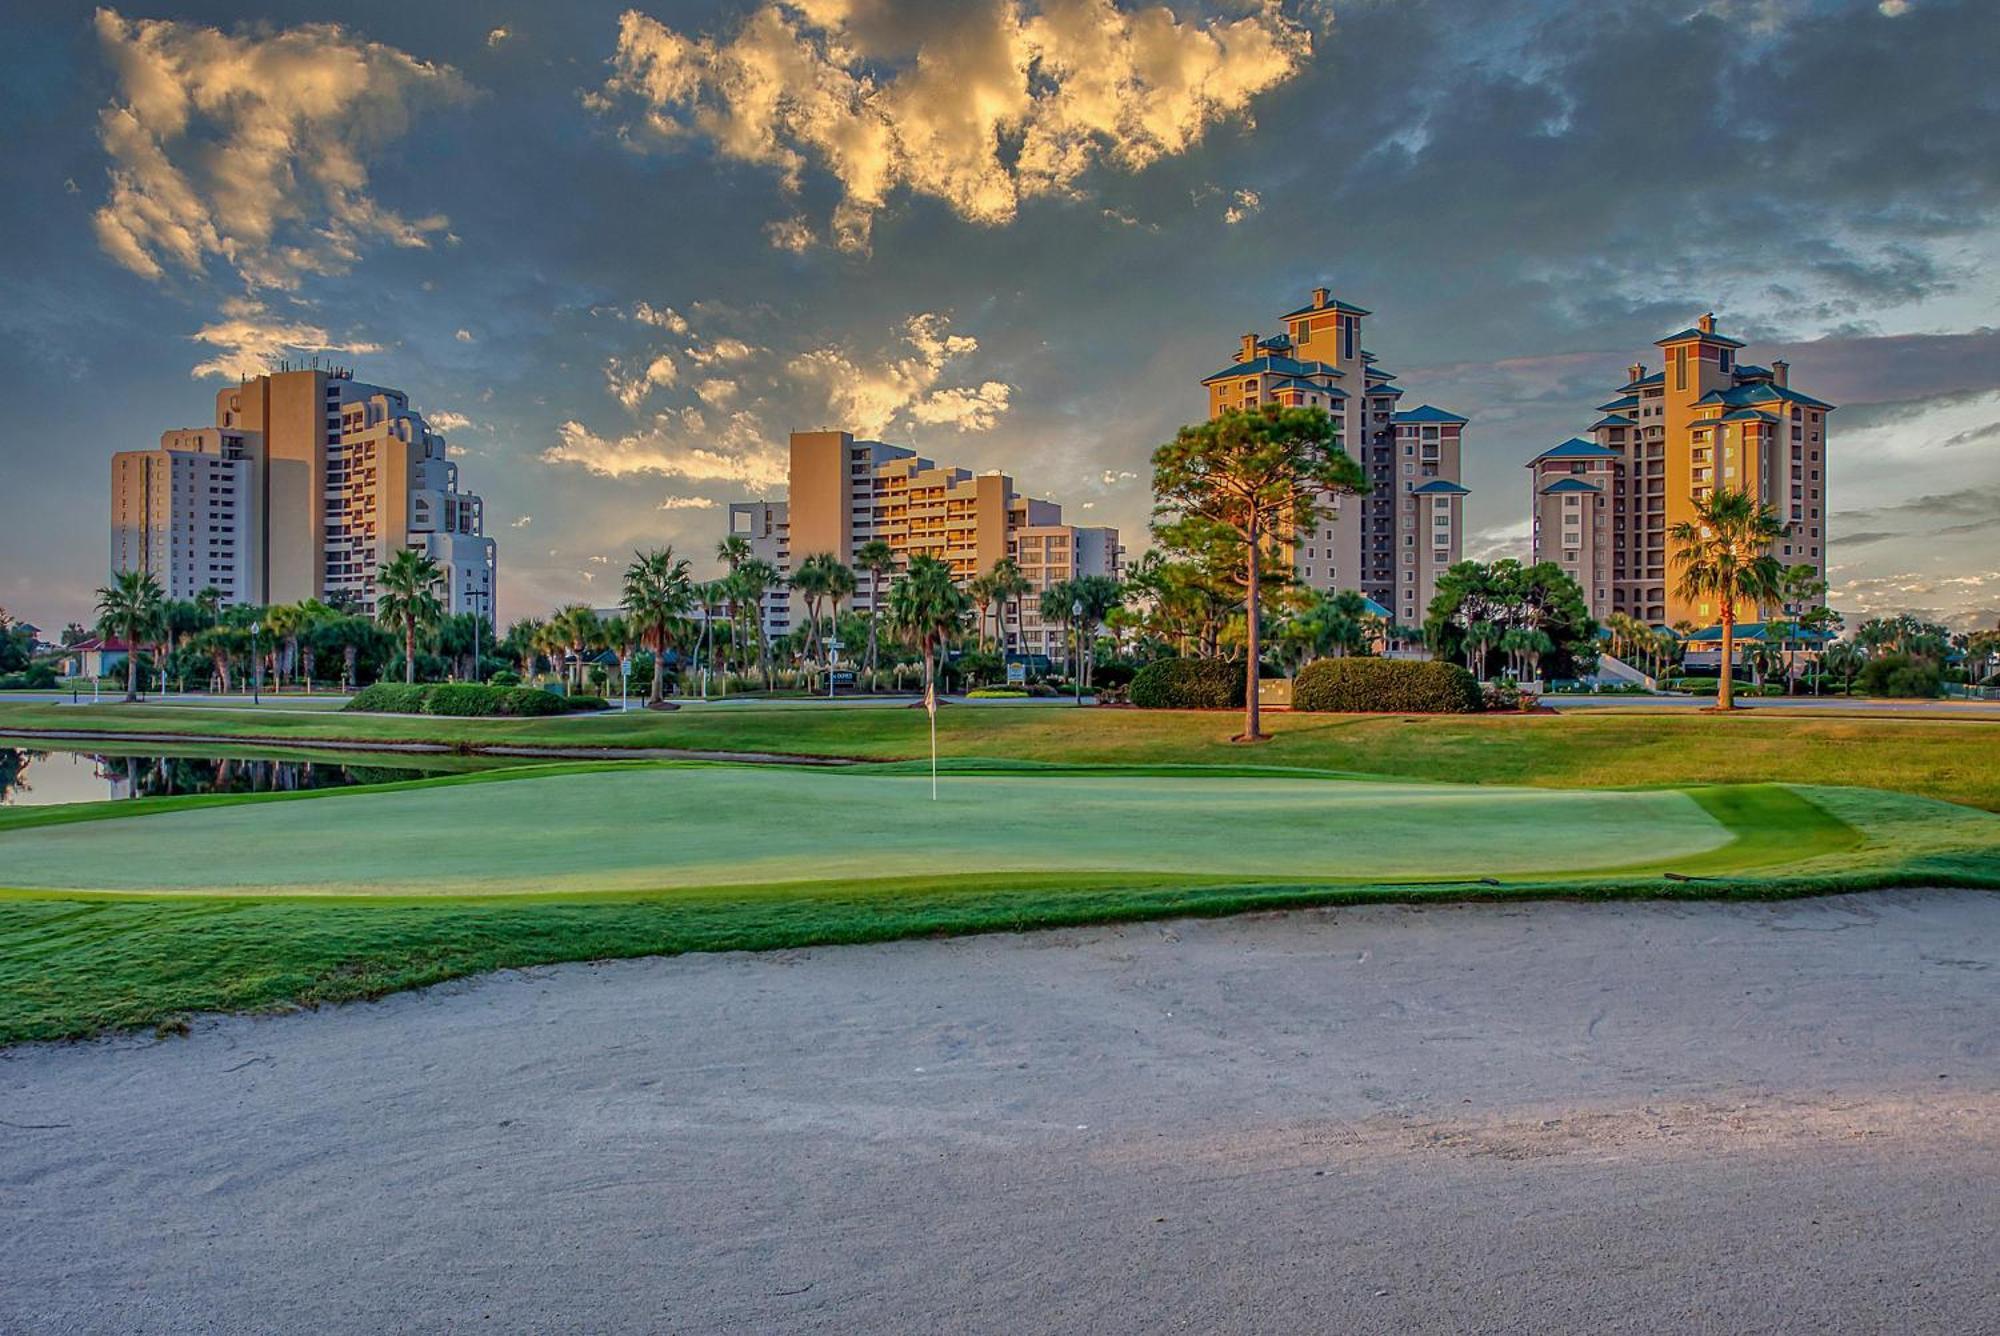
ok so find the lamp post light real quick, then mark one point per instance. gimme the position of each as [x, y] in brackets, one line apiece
[256, 666]
[1076, 632]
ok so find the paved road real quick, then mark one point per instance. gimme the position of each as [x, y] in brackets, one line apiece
[1550, 1118]
[1942, 709]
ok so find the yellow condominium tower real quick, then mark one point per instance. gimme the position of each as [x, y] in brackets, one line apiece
[845, 493]
[1603, 506]
[1391, 544]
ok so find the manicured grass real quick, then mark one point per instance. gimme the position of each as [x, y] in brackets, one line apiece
[1949, 759]
[477, 872]
[662, 827]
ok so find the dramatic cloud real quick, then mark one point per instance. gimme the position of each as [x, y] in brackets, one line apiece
[254, 149]
[631, 388]
[687, 503]
[249, 339]
[446, 420]
[675, 445]
[1000, 103]
[869, 396]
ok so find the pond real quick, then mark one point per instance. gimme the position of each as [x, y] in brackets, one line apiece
[37, 778]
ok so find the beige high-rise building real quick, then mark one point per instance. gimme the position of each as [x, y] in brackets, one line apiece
[1392, 543]
[844, 493]
[1602, 507]
[326, 478]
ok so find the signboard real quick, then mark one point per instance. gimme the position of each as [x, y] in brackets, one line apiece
[1017, 674]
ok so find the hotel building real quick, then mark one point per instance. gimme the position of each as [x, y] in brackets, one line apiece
[1392, 543]
[1603, 505]
[844, 493]
[306, 484]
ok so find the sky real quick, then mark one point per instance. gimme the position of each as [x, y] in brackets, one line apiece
[618, 254]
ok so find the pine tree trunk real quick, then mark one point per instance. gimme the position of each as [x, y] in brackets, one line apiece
[1252, 721]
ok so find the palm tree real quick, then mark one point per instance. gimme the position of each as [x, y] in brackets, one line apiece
[1008, 586]
[878, 559]
[840, 584]
[405, 592]
[1724, 552]
[811, 581]
[712, 594]
[659, 592]
[753, 579]
[1055, 607]
[580, 632]
[130, 608]
[1098, 594]
[979, 589]
[552, 643]
[733, 551]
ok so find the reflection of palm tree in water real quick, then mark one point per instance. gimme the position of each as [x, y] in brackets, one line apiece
[14, 763]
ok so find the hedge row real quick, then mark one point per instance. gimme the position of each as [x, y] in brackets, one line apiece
[1189, 684]
[460, 699]
[1389, 686]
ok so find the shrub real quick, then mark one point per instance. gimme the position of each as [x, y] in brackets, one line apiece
[1900, 675]
[389, 698]
[1188, 684]
[464, 699]
[1390, 686]
[580, 703]
[996, 693]
[1112, 674]
[504, 677]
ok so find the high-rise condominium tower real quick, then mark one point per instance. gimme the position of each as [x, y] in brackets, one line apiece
[1392, 543]
[307, 483]
[1603, 506]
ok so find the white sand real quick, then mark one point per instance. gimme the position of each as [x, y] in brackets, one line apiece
[1551, 1118]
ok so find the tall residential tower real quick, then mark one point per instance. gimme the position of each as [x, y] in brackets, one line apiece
[1603, 506]
[308, 482]
[1392, 543]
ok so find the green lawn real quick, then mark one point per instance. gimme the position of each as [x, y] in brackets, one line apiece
[130, 914]
[1949, 759]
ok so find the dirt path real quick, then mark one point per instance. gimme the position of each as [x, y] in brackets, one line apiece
[1633, 1117]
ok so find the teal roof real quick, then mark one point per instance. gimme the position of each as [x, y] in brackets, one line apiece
[1748, 415]
[1760, 392]
[1374, 609]
[1657, 378]
[1301, 383]
[1571, 485]
[1332, 305]
[1392, 391]
[1619, 405]
[1692, 333]
[1287, 366]
[1427, 413]
[1578, 448]
[1755, 631]
[1744, 371]
[1441, 487]
[1613, 421]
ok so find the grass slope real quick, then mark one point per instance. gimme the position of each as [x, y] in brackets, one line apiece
[1938, 759]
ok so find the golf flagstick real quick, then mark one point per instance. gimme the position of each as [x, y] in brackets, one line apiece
[930, 708]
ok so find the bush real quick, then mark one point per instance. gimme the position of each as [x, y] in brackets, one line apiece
[996, 693]
[504, 677]
[576, 704]
[1900, 675]
[389, 698]
[1390, 686]
[465, 700]
[1189, 684]
[1113, 674]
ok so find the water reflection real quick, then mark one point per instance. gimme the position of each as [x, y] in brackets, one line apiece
[40, 778]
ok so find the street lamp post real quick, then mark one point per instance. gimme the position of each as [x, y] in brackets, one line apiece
[1076, 634]
[256, 666]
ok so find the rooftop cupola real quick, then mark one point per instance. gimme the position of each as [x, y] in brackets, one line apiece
[1320, 297]
[1249, 348]
[1781, 372]
[1706, 324]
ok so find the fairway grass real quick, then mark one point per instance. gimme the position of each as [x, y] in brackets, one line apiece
[262, 901]
[1947, 759]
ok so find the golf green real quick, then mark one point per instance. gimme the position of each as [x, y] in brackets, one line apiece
[665, 827]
